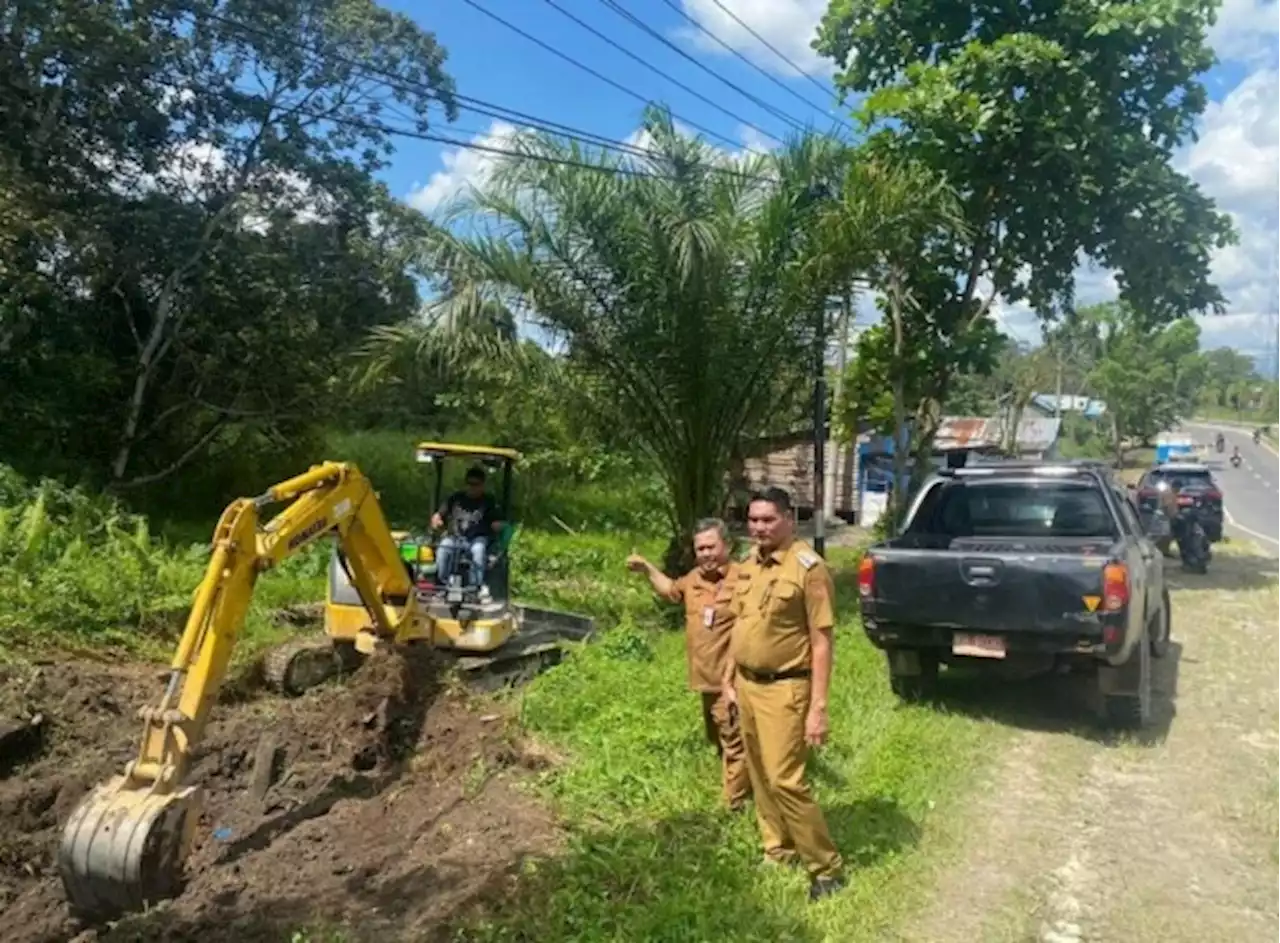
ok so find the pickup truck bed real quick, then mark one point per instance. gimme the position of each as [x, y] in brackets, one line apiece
[1012, 560]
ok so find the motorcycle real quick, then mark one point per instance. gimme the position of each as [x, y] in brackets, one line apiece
[1221, 442]
[1235, 460]
[1193, 542]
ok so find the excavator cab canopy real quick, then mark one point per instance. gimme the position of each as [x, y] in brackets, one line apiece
[437, 454]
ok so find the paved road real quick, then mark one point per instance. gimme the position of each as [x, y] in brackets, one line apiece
[1251, 493]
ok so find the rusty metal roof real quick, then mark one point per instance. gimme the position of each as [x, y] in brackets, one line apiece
[1035, 433]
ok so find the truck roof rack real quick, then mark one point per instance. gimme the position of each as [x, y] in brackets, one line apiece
[1064, 468]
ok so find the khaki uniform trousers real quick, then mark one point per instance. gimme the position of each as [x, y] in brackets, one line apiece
[791, 824]
[720, 718]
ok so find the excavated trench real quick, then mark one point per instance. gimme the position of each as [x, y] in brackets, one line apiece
[385, 801]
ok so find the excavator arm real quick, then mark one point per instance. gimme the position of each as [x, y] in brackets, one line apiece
[124, 846]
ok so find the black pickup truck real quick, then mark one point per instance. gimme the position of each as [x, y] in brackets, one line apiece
[1041, 562]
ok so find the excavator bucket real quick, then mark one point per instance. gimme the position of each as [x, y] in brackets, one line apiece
[124, 846]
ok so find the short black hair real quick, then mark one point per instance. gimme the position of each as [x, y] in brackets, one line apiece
[475, 473]
[776, 496]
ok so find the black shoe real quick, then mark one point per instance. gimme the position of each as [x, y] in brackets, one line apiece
[822, 887]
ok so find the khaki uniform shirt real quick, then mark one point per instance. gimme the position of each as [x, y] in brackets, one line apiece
[778, 599]
[708, 621]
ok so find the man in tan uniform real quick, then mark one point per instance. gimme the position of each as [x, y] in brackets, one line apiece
[779, 673]
[706, 592]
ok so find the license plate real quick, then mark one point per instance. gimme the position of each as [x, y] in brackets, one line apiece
[978, 646]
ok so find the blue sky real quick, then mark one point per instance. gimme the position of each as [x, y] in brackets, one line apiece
[1237, 158]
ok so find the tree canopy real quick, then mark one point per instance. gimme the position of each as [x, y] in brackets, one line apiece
[193, 234]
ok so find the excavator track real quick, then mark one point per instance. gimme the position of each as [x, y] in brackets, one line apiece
[123, 848]
[539, 645]
[296, 667]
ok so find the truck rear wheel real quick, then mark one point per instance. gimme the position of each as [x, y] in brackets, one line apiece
[1161, 628]
[913, 674]
[1131, 710]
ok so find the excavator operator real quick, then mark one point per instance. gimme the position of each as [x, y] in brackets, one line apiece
[472, 519]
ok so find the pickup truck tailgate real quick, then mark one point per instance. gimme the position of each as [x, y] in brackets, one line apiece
[987, 588]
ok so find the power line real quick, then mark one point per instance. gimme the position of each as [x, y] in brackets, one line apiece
[654, 69]
[381, 128]
[590, 71]
[763, 71]
[772, 48]
[467, 103]
[640, 24]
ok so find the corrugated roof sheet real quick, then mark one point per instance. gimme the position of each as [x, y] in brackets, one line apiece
[1035, 433]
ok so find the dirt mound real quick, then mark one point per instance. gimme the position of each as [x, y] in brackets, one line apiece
[385, 801]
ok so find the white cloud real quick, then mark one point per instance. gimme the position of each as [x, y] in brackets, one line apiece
[463, 168]
[466, 167]
[1246, 31]
[753, 140]
[788, 25]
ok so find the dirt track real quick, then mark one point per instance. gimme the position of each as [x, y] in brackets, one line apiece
[1168, 837]
[392, 805]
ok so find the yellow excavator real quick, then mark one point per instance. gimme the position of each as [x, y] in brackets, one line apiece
[124, 846]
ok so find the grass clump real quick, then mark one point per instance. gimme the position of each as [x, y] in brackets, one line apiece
[652, 856]
[79, 572]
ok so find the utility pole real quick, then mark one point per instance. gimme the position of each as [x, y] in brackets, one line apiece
[842, 362]
[1273, 319]
[816, 195]
[820, 430]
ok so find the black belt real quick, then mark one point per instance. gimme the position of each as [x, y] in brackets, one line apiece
[768, 677]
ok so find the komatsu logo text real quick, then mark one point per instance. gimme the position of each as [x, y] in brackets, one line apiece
[308, 532]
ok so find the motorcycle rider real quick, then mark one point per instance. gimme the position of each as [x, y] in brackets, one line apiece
[1235, 456]
[1181, 524]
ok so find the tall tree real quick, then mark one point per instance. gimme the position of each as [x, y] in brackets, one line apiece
[1148, 376]
[1055, 123]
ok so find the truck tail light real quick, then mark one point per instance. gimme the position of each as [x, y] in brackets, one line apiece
[1115, 587]
[866, 576]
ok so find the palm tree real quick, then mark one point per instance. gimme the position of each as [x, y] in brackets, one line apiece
[681, 283]
[887, 213]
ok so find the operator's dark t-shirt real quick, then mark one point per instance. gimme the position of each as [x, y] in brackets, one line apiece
[465, 516]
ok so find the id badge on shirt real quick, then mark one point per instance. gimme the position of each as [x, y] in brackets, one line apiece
[708, 616]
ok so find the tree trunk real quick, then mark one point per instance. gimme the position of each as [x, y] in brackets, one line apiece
[900, 443]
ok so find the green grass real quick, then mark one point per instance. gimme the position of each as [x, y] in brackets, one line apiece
[651, 856]
[81, 575]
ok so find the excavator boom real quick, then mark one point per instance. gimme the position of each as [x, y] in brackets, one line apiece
[124, 846]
